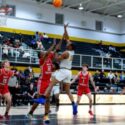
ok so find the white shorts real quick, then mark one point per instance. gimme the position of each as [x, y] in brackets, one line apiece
[55, 90]
[63, 75]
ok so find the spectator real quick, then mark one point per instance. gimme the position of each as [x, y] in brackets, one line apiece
[31, 93]
[122, 77]
[5, 51]
[45, 36]
[26, 54]
[41, 37]
[112, 49]
[111, 77]
[39, 45]
[33, 44]
[96, 76]
[11, 50]
[100, 45]
[116, 77]
[108, 55]
[102, 75]
[1, 36]
[37, 36]
[28, 71]
[13, 83]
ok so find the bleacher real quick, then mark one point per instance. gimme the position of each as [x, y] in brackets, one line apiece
[81, 47]
[85, 52]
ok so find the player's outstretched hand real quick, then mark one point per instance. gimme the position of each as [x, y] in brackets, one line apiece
[66, 25]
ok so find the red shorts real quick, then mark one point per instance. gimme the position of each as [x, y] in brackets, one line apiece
[4, 89]
[42, 86]
[82, 90]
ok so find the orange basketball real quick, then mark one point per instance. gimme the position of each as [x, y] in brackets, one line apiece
[57, 3]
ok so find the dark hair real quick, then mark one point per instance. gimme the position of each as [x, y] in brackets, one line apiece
[56, 65]
[85, 65]
[73, 46]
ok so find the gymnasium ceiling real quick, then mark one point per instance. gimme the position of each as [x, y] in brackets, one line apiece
[104, 7]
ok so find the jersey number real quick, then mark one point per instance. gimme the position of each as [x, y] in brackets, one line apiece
[4, 81]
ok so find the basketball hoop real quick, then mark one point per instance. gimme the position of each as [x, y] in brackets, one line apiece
[5, 10]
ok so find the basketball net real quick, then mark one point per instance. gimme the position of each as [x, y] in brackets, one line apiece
[4, 11]
[3, 21]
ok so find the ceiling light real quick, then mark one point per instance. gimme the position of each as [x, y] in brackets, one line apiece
[81, 7]
[119, 16]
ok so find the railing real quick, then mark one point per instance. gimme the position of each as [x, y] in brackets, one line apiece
[29, 56]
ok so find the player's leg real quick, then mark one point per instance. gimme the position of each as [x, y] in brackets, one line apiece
[56, 94]
[8, 99]
[53, 82]
[79, 96]
[67, 85]
[35, 105]
[57, 102]
[47, 110]
[78, 99]
[33, 108]
[68, 92]
[89, 95]
[56, 78]
[1, 117]
[42, 99]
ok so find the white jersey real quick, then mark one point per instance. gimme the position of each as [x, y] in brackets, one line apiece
[67, 63]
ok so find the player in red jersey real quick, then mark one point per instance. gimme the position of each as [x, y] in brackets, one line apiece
[47, 67]
[5, 74]
[83, 85]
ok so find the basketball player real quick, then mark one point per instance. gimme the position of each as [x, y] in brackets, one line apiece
[64, 74]
[83, 85]
[46, 65]
[5, 75]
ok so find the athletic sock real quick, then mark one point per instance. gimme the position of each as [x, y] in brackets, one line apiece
[73, 103]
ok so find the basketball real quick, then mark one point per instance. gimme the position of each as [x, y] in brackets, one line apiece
[57, 3]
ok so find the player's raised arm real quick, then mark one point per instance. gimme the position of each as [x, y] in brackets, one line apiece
[66, 35]
[52, 47]
[49, 50]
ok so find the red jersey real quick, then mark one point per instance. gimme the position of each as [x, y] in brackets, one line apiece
[5, 76]
[83, 80]
[46, 67]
